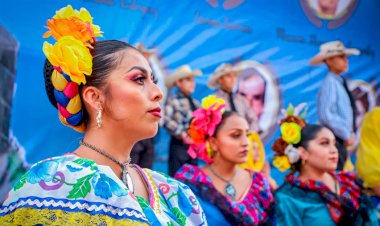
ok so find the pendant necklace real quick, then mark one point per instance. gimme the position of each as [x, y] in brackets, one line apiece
[229, 189]
[126, 178]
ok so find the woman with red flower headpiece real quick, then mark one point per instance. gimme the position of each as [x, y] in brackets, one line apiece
[228, 194]
[314, 193]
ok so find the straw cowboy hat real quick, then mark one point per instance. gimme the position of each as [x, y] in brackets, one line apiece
[219, 72]
[330, 49]
[182, 72]
[146, 52]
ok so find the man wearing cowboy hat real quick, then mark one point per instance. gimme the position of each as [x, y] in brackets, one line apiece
[178, 114]
[224, 80]
[336, 107]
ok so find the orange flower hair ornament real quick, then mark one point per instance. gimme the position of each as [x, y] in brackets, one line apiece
[205, 120]
[71, 58]
[290, 126]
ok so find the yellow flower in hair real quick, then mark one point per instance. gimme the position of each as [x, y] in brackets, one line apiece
[70, 22]
[83, 14]
[212, 100]
[291, 132]
[282, 163]
[66, 12]
[72, 56]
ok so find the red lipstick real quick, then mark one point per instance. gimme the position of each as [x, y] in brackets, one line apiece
[156, 112]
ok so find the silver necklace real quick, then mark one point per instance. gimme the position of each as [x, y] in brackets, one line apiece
[229, 189]
[126, 178]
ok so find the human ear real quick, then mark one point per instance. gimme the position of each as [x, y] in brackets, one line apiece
[304, 153]
[92, 98]
[213, 143]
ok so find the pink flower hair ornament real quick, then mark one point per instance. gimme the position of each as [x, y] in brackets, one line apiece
[204, 123]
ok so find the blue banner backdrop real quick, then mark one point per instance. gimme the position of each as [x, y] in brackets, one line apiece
[274, 38]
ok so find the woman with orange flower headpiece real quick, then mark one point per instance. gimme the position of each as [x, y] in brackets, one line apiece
[228, 194]
[314, 192]
[100, 88]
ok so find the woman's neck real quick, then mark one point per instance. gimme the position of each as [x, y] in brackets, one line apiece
[224, 168]
[312, 174]
[115, 144]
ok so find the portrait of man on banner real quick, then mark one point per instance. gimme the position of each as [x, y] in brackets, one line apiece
[329, 9]
[259, 86]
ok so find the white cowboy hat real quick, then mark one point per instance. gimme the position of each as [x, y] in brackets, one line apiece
[142, 48]
[223, 69]
[330, 49]
[182, 72]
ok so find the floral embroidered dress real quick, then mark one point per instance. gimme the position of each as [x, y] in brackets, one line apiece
[71, 190]
[312, 202]
[256, 208]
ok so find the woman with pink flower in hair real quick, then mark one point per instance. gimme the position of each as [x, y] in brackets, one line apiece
[228, 194]
[314, 192]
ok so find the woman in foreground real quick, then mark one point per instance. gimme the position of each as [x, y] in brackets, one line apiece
[106, 90]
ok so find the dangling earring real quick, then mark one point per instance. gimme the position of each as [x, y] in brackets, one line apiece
[99, 117]
[303, 162]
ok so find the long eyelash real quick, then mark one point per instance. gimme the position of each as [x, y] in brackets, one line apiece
[154, 79]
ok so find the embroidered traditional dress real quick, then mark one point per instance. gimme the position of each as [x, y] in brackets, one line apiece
[71, 190]
[254, 209]
[312, 202]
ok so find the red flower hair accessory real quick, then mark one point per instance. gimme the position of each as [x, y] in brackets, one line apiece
[205, 120]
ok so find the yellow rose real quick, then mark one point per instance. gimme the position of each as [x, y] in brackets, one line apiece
[72, 56]
[68, 12]
[210, 100]
[70, 27]
[291, 132]
[282, 163]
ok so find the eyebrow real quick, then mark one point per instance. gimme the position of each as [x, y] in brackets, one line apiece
[238, 129]
[138, 68]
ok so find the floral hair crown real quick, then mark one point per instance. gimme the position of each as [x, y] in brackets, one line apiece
[291, 126]
[71, 58]
[204, 123]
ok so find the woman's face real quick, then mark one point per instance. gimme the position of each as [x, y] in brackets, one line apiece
[132, 97]
[321, 153]
[255, 151]
[231, 141]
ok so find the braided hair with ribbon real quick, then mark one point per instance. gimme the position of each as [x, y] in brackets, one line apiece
[76, 60]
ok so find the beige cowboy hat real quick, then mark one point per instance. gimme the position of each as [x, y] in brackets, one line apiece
[223, 69]
[142, 48]
[330, 49]
[182, 72]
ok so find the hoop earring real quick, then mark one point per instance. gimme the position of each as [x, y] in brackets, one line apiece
[99, 121]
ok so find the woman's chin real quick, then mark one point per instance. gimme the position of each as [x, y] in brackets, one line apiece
[241, 160]
[150, 132]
